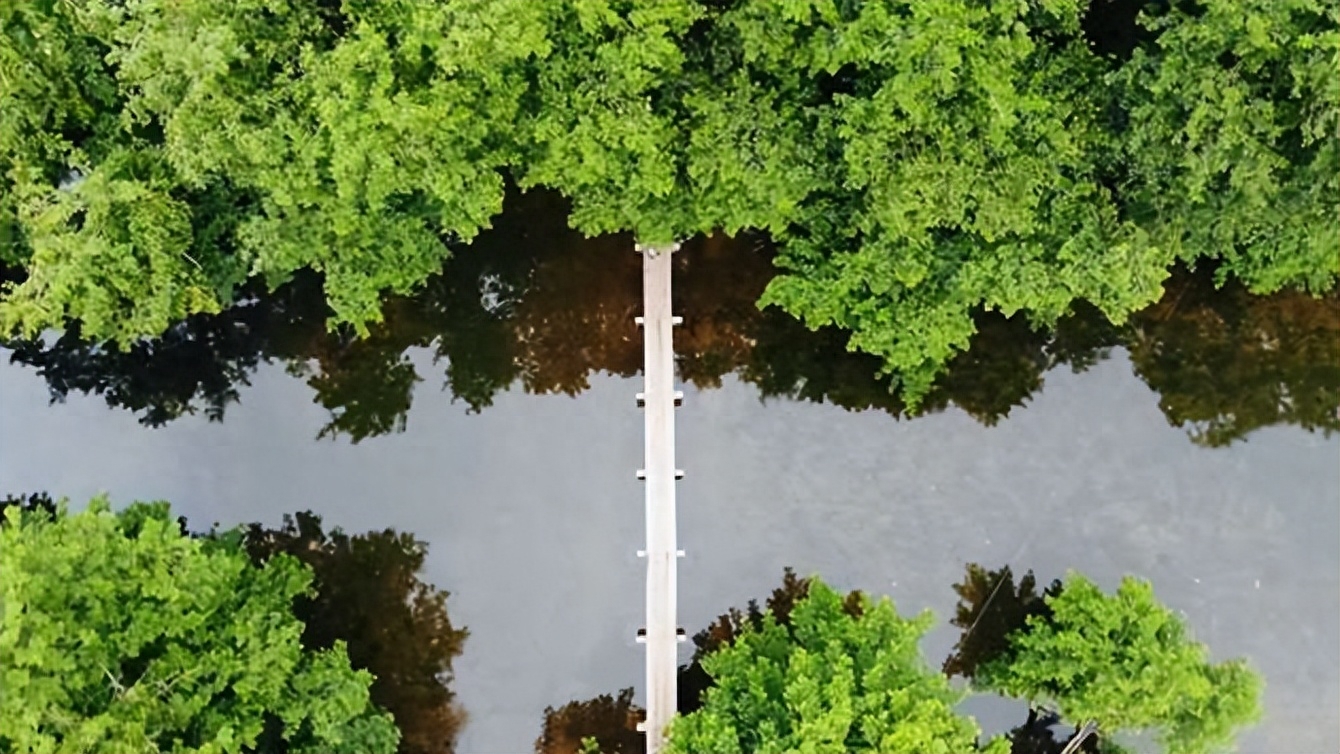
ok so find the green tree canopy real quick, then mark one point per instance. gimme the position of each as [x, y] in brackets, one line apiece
[916, 159]
[794, 676]
[1126, 661]
[840, 676]
[121, 633]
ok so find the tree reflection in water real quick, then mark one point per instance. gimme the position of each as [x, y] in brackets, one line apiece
[534, 303]
[989, 608]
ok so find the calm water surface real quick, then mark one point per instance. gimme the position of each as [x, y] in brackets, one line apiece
[1194, 448]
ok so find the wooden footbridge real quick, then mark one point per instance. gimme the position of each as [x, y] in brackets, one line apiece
[661, 633]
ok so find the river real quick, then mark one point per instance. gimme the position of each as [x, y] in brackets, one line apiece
[1195, 448]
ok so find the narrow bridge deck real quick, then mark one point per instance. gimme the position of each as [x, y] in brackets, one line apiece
[661, 633]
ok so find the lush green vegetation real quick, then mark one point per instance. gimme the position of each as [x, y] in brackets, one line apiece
[917, 161]
[1126, 661]
[839, 676]
[814, 671]
[122, 632]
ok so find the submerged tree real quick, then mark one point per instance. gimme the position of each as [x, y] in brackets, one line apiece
[917, 160]
[122, 633]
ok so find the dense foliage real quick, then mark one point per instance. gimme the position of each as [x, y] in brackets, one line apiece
[121, 633]
[917, 160]
[794, 676]
[1126, 661]
[839, 676]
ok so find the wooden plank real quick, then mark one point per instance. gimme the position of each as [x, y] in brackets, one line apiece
[659, 399]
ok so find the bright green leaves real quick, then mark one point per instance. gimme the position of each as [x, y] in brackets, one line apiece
[357, 143]
[967, 179]
[1125, 661]
[114, 251]
[368, 147]
[748, 159]
[329, 709]
[645, 117]
[119, 633]
[816, 673]
[52, 86]
[828, 681]
[597, 130]
[990, 161]
[917, 160]
[1232, 140]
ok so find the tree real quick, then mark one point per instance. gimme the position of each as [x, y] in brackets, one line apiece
[1230, 142]
[1125, 660]
[917, 161]
[828, 681]
[797, 675]
[1184, 147]
[122, 633]
[990, 610]
[609, 722]
[368, 597]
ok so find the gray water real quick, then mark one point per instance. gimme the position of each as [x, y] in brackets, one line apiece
[533, 514]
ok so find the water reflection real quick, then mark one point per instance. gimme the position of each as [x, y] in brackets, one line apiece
[27, 503]
[1040, 735]
[610, 720]
[534, 303]
[369, 594]
[990, 607]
